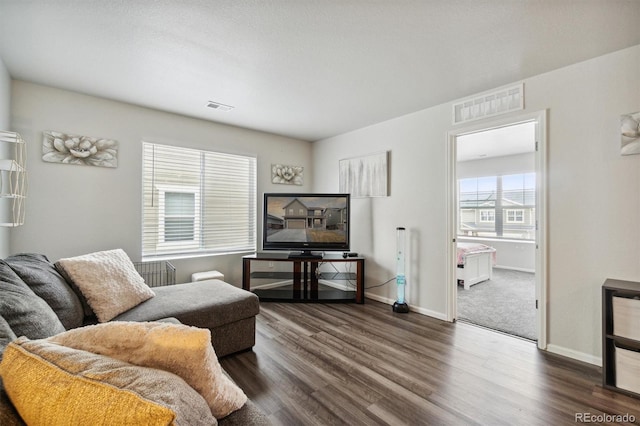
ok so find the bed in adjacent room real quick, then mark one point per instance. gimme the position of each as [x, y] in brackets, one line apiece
[475, 263]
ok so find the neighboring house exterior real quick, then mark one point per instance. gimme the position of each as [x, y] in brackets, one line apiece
[481, 215]
[336, 218]
[298, 215]
[274, 222]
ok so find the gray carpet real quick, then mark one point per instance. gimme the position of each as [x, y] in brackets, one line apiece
[505, 303]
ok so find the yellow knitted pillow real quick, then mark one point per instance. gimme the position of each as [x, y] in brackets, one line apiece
[52, 384]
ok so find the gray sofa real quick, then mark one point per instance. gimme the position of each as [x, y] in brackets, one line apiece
[36, 301]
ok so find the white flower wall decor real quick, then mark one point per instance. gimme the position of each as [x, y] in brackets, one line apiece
[288, 175]
[630, 133]
[66, 148]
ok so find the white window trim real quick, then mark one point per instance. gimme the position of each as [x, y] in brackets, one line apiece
[175, 168]
[164, 188]
[490, 213]
[514, 211]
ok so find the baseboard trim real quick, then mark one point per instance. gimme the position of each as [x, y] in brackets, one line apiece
[570, 353]
[511, 268]
[380, 299]
[417, 309]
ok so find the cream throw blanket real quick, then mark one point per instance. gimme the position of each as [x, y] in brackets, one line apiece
[180, 349]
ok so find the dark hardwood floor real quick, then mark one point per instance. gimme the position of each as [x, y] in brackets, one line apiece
[319, 364]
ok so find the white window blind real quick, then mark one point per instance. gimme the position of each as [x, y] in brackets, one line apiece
[497, 206]
[197, 202]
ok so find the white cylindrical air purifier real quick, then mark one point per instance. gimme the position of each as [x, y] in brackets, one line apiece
[401, 281]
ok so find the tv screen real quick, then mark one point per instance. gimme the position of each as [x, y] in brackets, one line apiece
[306, 222]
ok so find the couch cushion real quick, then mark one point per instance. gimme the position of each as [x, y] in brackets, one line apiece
[44, 279]
[6, 335]
[8, 414]
[179, 349]
[108, 280]
[46, 381]
[250, 414]
[206, 304]
[25, 312]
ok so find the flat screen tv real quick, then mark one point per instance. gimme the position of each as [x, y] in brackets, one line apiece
[306, 224]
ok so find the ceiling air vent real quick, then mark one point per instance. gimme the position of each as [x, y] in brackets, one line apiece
[218, 106]
[489, 104]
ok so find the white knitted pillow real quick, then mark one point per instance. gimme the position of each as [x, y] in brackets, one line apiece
[108, 280]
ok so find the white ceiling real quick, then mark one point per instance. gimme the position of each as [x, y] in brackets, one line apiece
[303, 68]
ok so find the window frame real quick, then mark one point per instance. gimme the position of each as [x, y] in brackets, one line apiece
[490, 212]
[511, 192]
[515, 211]
[225, 196]
[197, 216]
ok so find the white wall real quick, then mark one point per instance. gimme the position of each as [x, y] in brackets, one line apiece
[5, 97]
[5, 105]
[72, 210]
[418, 165]
[593, 196]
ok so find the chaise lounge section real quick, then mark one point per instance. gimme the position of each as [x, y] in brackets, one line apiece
[229, 312]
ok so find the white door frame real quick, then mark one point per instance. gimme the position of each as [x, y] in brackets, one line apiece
[540, 118]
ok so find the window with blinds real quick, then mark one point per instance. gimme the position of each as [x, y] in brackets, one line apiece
[497, 206]
[196, 202]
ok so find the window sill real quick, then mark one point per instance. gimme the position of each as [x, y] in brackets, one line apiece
[503, 240]
[193, 255]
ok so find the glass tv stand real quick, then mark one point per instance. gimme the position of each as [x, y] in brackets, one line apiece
[278, 277]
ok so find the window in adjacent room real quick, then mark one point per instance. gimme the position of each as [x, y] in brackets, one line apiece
[197, 202]
[498, 206]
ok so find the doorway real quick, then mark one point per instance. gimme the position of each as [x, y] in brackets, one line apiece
[497, 223]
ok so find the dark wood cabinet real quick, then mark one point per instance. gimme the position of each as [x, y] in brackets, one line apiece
[276, 277]
[616, 343]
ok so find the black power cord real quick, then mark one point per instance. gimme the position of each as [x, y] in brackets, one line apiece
[348, 270]
[380, 285]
